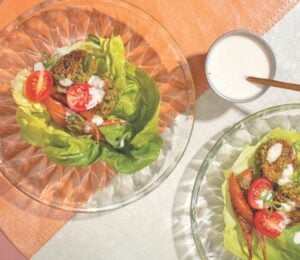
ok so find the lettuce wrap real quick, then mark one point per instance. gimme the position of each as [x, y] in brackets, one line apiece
[282, 247]
[129, 147]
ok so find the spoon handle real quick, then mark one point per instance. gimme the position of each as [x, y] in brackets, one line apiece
[274, 83]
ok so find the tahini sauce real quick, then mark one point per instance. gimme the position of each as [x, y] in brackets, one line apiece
[231, 61]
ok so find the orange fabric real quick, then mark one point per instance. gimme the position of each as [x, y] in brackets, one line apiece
[27, 223]
[195, 24]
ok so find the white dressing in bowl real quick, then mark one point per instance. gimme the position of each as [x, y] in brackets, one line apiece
[232, 58]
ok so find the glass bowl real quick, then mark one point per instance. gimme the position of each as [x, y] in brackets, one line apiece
[148, 45]
[207, 205]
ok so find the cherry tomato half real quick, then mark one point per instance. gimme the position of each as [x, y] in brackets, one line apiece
[39, 85]
[78, 97]
[269, 224]
[257, 191]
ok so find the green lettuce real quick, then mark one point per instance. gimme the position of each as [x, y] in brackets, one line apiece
[281, 247]
[60, 146]
[141, 141]
[129, 147]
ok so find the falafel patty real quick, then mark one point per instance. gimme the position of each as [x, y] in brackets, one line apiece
[74, 66]
[274, 158]
[71, 66]
[290, 194]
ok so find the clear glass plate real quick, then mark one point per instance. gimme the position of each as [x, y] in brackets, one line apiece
[207, 202]
[148, 45]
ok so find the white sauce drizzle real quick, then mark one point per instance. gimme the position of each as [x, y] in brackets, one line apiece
[297, 238]
[65, 82]
[265, 195]
[274, 152]
[97, 120]
[287, 206]
[96, 91]
[260, 203]
[121, 143]
[286, 175]
[87, 128]
[39, 66]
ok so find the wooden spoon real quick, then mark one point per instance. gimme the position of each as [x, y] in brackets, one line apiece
[274, 83]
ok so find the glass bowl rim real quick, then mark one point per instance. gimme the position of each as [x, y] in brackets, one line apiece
[212, 152]
[188, 75]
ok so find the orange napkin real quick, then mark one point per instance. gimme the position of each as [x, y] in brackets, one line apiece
[195, 24]
[27, 223]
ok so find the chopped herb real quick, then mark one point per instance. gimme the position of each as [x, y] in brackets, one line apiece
[86, 63]
[93, 38]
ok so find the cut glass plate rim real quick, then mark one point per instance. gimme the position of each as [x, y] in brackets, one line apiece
[208, 158]
[141, 194]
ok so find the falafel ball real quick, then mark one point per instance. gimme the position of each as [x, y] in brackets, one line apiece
[71, 66]
[289, 194]
[274, 157]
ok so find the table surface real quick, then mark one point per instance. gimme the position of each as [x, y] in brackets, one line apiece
[158, 226]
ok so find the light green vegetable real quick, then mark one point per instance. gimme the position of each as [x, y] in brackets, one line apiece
[281, 247]
[60, 146]
[131, 147]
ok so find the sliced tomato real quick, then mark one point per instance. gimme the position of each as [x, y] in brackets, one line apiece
[269, 224]
[78, 97]
[258, 191]
[39, 85]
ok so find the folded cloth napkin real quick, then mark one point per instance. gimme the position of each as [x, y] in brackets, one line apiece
[195, 25]
[25, 222]
[7, 249]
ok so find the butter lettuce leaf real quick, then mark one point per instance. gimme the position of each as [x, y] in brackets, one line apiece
[281, 247]
[140, 137]
[60, 146]
[130, 147]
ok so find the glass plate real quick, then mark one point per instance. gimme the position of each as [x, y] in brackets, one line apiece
[148, 45]
[207, 201]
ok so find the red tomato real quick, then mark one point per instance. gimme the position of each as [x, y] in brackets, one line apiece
[269, 224]
[39, 85]
[78, 96]
[256, 190]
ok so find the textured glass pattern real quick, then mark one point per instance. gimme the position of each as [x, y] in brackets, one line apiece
[97, 187]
